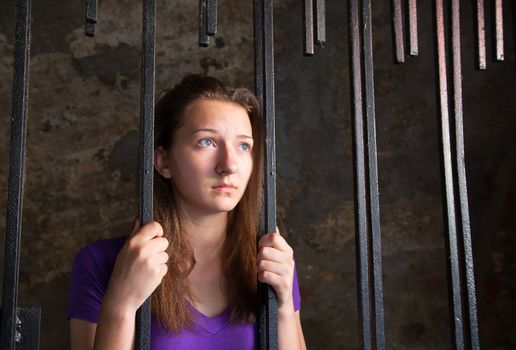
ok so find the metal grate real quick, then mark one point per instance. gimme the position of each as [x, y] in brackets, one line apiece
[20, 327]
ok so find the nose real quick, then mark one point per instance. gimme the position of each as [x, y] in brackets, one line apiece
[227, 163]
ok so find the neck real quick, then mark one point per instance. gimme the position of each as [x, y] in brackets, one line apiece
[207, 234]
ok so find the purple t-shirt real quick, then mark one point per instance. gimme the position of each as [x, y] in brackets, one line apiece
[91, 271]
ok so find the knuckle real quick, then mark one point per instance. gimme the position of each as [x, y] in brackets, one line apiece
[139, 254]
[131, 244]
[285, 284]
[159, 228]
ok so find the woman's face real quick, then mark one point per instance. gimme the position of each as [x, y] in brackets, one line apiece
[210, 161]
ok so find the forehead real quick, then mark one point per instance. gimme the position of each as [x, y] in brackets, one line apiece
[220, 115]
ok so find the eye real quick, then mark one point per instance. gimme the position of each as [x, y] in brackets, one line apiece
[245, 146]
[205, 142]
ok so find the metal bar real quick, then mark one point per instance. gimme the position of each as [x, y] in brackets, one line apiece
[461, 176]
[448, 179]
[308, 18]
[320, 23]
[268, 317]
[211, 17]
[397, 23]
[204, 39]
[372, 163]
[143, 315]
[361, 224]
[91, 18]
[27, 331]
[413, 41]
[258, 54]
[261, 339]
[16, 174]
[480, 27]
[499, 30]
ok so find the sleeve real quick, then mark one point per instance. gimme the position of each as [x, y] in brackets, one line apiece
[87, 286]
[296, 295]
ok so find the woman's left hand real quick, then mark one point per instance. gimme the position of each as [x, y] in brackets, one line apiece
[275, 266]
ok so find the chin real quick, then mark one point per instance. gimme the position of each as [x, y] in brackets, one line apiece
[224, 207]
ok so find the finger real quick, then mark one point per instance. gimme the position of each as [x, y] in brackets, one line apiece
[281, 269]
[157, 245]
[164, 270]
[276, 241]
[271, 278]
[149, 231]
[272, 254]
[162, 258]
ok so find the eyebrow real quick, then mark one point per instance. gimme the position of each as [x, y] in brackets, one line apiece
[216, 132]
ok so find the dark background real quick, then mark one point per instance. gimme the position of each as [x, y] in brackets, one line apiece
[83, 137]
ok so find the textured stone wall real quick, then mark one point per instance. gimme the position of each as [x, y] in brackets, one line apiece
[83, 138]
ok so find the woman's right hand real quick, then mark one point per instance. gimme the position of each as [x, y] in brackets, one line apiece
[139, 267]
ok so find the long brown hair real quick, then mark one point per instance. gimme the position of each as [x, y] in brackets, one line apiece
[238, 264]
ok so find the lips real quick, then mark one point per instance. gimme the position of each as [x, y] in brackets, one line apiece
[224, 187]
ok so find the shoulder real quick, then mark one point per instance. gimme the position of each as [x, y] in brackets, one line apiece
[100, 252]
[91, 271]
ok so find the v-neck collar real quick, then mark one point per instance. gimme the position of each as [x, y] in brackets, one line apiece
[211, 324]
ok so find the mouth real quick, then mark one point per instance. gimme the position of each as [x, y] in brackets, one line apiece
[225, 188]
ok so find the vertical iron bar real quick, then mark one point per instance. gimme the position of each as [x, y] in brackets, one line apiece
[270, 159]
[211, 17]
[258, 54]
[397, 22]
[481, 35]
[448, 178]
[499, 30]
[16, 174]
[204, 39]
[361, 225]
[91, 17]
[261, 341]
[374, 200]
[413, 42]
[320, 23]
[143, 315]
[461, 176]
[308, 17]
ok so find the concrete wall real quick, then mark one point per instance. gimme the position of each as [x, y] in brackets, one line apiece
[83, 139]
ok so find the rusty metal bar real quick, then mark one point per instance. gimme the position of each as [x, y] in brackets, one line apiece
[91, 17]
[499, 30]
[261, 339]
[16, 175]
[461, 183]
[453, 260]
[372, 171]
[320, 23]
[412, 17]
[211, 17]
[204, 39]
[397, 27]
[480, 33]
[258, 51]
[308, 18]
[361, 224]
[264, 70]
[143, 315]
[20, 327]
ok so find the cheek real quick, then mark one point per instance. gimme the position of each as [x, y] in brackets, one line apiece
[248, 166]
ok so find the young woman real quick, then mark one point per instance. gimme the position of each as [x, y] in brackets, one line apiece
[199, 259]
